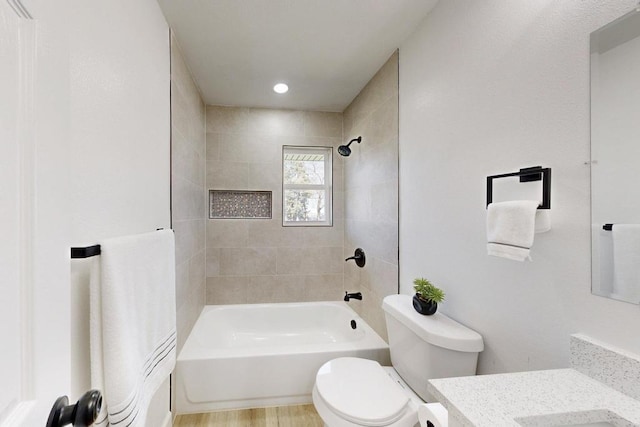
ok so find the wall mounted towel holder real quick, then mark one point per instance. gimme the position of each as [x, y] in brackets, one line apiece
[85, 252]
[535, 173]
[89, 251]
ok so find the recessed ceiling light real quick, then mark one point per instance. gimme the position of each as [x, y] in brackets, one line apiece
[280, 88]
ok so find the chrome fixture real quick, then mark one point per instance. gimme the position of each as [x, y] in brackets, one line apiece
[344, 150]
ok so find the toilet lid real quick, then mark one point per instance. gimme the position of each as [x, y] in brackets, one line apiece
[360, 391]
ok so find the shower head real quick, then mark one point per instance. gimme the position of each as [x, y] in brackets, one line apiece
[344, 150]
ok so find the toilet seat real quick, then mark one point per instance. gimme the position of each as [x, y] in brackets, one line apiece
[361, 392]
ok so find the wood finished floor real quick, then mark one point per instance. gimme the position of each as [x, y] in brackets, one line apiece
[282, 416]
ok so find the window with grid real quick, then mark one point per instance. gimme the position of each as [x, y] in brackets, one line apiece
[306, 186]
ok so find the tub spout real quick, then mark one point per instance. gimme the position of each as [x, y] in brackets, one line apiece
[357, 295]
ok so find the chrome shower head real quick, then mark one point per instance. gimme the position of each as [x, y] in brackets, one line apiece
[344, 150]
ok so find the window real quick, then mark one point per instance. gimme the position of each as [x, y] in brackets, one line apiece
[306, 186]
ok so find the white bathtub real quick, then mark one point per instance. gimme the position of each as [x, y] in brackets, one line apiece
[255, 355]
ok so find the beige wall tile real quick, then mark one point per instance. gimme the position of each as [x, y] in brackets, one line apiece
[265, 176]
[317, 123]
[212, 262]
[265, 148]
[227, 119]
[190, 238]
[182, 284]
[244, 151]
[371, 192]
[188, 208]
[310, 260]
[325, 287]
[338, 205]
[228, 233]
[247, 261]
[228, 175]
[384, 202]
[226, 290]
[213, 141]
[274, 289]
[373, 314]
[197, 269]
[380, 277]
[276, 122]
[271, 233]
[325, 236]
[187, 201]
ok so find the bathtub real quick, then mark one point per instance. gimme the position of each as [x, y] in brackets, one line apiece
[257, 355]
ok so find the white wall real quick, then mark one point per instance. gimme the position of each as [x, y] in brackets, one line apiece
[10, 365]
[100, 164]
[489, 87]
[118, 152]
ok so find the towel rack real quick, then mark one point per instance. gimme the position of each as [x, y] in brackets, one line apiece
[85, 252]
[89, 251]
[535, 173]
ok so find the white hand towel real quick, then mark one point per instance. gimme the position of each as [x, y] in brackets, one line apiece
[626, 261]
[543, 220]
[510, 228]
[133, 324]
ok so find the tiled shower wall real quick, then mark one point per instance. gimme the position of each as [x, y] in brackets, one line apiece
[188, 207]
[259, 260]
[371, 192]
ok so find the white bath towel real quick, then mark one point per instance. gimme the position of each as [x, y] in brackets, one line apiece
[510, 228]
[626, 261]
[133, 324]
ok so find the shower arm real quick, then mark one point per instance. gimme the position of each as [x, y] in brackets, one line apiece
[358, 140]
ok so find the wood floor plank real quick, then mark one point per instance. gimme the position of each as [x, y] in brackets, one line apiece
[296, 416]
[283, 416]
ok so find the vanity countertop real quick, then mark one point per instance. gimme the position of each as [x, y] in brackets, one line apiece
[498, 400]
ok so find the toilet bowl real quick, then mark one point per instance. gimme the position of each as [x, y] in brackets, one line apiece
[355, 392]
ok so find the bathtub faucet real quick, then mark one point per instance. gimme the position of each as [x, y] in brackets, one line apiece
[357, 295]
[358, 257]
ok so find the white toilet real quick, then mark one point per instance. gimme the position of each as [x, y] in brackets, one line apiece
[354, 392]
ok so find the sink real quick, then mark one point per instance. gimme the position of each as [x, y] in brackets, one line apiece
[595, 418]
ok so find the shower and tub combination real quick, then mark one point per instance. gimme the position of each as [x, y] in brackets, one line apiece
[256, 355]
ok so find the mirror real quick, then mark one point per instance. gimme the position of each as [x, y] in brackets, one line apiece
[615, 159]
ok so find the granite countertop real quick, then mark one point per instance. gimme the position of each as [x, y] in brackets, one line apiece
[504, 399]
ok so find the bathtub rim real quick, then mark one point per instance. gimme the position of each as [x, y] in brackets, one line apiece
[191, 349]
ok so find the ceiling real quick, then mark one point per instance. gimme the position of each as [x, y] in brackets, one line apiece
[325, 50]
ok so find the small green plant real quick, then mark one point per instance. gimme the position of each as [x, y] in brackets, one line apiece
[427, 291]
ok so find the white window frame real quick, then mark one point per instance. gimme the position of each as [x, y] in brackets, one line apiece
[327, 187]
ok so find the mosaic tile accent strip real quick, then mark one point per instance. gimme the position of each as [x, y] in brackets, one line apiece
[614, 367]
[239, 204]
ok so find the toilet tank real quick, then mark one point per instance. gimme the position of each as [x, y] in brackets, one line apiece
[428, 347]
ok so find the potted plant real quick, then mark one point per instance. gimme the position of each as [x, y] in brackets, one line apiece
[427, 296]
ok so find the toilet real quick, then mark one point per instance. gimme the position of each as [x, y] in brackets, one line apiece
[355, 392]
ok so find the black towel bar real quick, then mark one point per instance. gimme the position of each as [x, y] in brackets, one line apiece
[89, 251]
[535, 173]
[85, 252]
